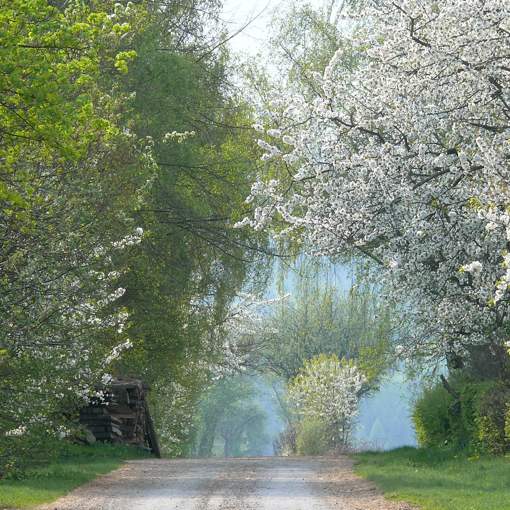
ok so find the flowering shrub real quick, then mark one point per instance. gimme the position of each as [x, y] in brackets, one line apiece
[328, 390]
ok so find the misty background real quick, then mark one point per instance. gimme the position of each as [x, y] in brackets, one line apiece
[252, 403]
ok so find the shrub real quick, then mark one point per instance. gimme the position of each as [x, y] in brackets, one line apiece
[431, 417]
[491, 419]
[328, 389]
[312, 437]
[478, 419]
[285, 444]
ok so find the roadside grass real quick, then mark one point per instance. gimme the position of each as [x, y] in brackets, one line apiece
[439, 480]
[74, 466]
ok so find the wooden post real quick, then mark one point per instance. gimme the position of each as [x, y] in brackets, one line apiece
[151, 433]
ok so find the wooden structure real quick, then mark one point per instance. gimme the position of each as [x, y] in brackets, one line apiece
[123, 416]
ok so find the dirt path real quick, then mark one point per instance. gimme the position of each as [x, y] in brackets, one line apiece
[229, 484]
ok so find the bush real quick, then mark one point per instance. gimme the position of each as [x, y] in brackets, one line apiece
[478, 420]
[285, 444]
[20, 452]
[312, 437]
[431, 417]
[491, 419]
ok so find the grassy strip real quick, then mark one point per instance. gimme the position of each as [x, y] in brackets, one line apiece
[438, 480]
[75, 466]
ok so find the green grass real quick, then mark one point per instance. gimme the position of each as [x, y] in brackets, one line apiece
[439, 480]
[75, 466]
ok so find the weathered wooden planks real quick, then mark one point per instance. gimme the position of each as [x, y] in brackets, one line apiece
[123, 417]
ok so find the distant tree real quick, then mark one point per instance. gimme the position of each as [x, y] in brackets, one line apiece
[305, 37]
[230, 415]
[319, 318]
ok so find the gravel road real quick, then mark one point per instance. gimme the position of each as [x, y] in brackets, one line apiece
[268, 483]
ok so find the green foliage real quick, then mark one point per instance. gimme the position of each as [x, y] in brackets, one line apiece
[305, 39]
[71, 466]
[439, 479]
[312, 437]
[475, 419]
[183, 277]
[490, 420]
[51, 62]
[431, 417]
[318, 318]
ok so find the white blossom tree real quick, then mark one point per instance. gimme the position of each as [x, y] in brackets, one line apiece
[403, 158]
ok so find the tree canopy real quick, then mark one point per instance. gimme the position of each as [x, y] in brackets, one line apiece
[402, 159]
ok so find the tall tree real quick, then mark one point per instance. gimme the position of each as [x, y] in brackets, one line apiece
[70, 170]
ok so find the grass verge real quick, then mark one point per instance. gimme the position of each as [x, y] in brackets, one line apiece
[75, 466]
[439, 480]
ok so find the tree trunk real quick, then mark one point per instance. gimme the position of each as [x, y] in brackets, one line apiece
[207, 439]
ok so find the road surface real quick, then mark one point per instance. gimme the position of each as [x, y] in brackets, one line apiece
[266, 483]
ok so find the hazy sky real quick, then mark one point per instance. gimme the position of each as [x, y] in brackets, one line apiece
[238, 12]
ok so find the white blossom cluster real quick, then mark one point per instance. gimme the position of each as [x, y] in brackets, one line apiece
[329, 389]
[65, 364]
[403, 157]
[130, 240]
[178, 136]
